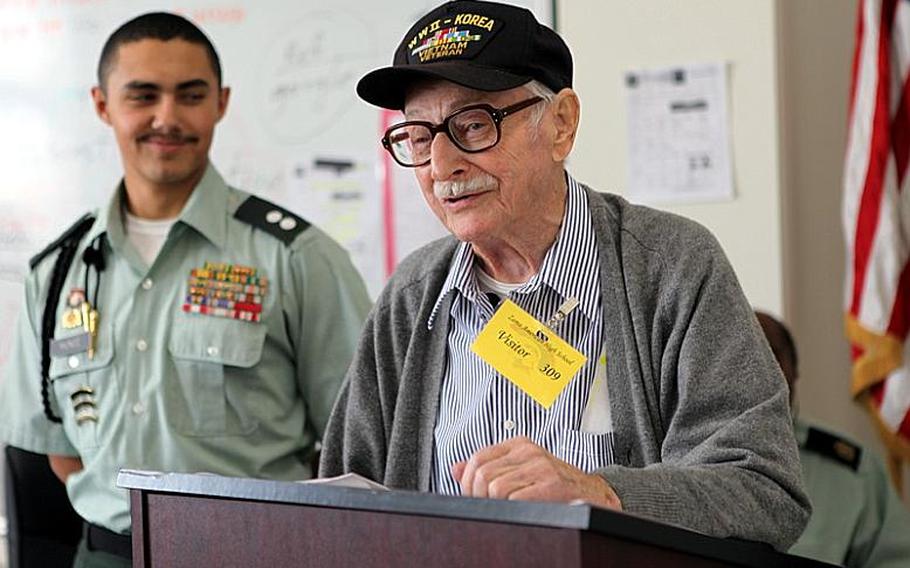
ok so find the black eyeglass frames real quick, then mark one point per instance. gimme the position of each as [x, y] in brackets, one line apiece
[472, 129]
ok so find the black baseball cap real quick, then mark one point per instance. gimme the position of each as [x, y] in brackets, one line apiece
[486, 46]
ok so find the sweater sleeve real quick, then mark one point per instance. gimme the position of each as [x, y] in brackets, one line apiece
[726, 460]
[355, 438]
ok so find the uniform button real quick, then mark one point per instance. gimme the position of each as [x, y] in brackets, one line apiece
[274, 216]
[142, 345]
[509, 425]
[212, 351]
[138, 408]
[73, 362]
[147, 284]
[288, 224]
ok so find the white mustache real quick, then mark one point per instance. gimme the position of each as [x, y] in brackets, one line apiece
[452, 189]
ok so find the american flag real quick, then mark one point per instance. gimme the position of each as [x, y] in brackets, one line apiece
[876, 210]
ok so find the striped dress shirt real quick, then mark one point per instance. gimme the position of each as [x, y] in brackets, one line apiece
[480, 407]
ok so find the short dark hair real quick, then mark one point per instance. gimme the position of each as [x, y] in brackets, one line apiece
[780, 339]
[154, 25]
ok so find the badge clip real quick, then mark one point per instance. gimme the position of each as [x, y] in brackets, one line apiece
[562, 312]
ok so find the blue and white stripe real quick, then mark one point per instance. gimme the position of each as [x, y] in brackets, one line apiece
[478, 406]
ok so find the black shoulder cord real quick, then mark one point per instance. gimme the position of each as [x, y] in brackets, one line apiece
[48, 320]
[93, 258]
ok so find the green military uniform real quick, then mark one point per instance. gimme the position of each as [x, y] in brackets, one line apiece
[857, 518]
[179, 380]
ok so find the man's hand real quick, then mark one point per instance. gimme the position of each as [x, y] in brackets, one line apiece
[63, 466]
[519, 469]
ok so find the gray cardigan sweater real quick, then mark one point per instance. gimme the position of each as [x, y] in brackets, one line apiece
[701, 416]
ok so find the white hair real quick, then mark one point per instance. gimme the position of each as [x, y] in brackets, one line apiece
[538, 89]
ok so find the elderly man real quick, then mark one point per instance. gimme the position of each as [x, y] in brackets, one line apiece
[564, 344]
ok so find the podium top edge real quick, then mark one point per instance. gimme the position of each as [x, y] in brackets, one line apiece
[581, 517]
[554, 515]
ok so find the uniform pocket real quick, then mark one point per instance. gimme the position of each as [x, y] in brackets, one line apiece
[208, 352]
[584, 450]
[84, 388]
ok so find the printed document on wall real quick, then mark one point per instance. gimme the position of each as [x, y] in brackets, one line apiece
[679, 134]
[339, 195]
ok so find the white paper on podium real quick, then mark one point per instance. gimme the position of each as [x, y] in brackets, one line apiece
[354, 480]
[678, 134]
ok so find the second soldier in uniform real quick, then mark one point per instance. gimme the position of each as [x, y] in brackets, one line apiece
[857, 521]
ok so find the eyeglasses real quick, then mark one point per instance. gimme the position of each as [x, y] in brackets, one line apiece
[472, 129]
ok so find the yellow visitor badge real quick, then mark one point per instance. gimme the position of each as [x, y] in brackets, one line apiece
[528, 353]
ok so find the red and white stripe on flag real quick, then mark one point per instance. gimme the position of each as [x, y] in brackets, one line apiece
[876, 214]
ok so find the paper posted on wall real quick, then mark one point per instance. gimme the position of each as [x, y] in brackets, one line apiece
[354, 480]
[678, 134]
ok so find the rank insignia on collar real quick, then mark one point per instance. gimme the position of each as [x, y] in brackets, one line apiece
[226, 290]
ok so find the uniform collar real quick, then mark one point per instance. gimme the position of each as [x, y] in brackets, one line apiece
[571, 254]
[800, 431]
[204, 211]
[209, 197]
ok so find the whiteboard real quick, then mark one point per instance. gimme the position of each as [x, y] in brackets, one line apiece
[295, 131]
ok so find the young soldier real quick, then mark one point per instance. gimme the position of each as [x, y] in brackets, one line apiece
[186, 326]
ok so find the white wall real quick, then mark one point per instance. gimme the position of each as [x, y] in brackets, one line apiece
[609, 37]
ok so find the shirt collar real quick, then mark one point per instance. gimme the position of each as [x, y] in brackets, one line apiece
[571, 266]
[204, 211]
[460, 278]
[200, 211]
[109, 220]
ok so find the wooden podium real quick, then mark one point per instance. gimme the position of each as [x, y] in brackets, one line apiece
[208, 520]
